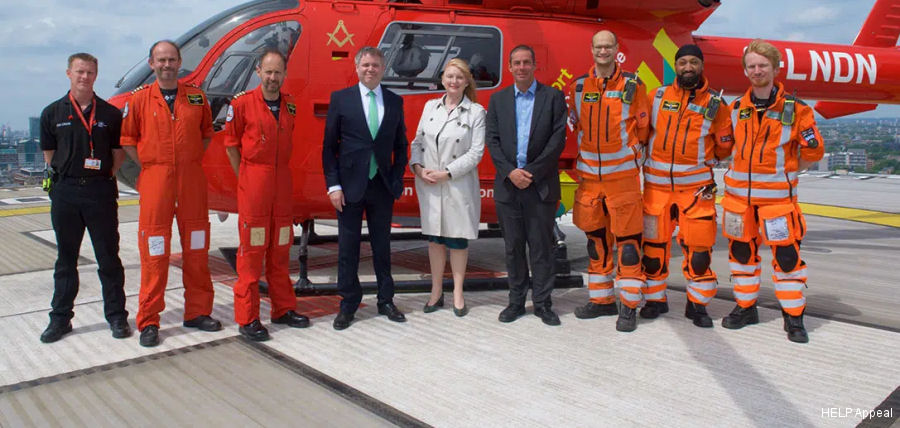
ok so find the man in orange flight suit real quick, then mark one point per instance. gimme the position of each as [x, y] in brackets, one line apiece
[691, 132]
[608, 109]
[165, 129]
[775, 138]
[258, 140]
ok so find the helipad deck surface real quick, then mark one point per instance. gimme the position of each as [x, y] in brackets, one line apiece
[441, 370]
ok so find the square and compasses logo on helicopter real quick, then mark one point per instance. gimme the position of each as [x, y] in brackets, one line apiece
[346, 36]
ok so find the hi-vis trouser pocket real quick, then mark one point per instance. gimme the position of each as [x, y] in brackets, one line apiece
[254, 233]
[656, 224]
[588, 214]
[698, 224]
[626, 213]
[781, 224]
[737, 219]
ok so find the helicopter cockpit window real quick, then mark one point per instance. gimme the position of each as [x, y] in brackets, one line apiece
[415, 54]
[197, 42]
[234, 70]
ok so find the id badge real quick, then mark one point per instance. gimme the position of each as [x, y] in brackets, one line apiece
[92, 163]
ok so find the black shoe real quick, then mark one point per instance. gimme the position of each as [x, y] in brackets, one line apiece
[547, 316]
[342, 320]
[461, 312]
[55, 331]
[431, 308]
[293, 319]
[255, 331]
[627, 319]
[594, 310]
[203, 322]
[740, 317]
[391, 311]
[698, 314]
[654, 309]
[511, 313]
[120, 328]
[150, 336]
[794, 328]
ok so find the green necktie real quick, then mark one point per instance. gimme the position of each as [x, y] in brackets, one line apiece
[373, 129]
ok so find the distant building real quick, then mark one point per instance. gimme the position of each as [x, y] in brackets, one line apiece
[30, 154]
[9, 159]
[852, 158]
[34, 127]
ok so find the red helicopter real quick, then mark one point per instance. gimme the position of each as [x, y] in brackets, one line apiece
[322, 36]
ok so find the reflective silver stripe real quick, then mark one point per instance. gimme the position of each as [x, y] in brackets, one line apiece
[613, 94]
[624, 152]
[737, 267]
[734, 117]
[689, 179]
[743, 192]
[762, 178]
[631, 297]
[745, 296]
[665, 166]
[603, 292]
[701, 142]
[703, 299]
[659, 295]
[745, 280]
[789, 286]
[579, 82]
[779, 151]
[623, 128]
[585, 168]
[792, 303]
[797, 274]
[594, 278]
[654, 112]
[655, 282]
[634, 283]
[703, 285]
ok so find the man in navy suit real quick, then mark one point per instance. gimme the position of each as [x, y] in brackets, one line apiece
[364, 155]
[525, 135]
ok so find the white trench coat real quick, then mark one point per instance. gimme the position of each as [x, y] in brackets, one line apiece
[453, 142]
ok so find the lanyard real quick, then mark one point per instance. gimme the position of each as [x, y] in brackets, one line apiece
[90, 128]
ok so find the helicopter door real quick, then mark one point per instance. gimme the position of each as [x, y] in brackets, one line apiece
[234, 70]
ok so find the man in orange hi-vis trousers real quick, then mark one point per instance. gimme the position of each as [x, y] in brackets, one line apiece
[775, 138]
[258, 140]
[609, 111]
[165, 129]
[691, 132]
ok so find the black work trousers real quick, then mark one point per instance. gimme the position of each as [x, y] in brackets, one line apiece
[77, 204]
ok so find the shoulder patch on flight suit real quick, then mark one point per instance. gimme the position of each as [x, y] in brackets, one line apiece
[745, 113]
[192, 85]
[591, 97]
[229, 116]
[292, 109]
[671, 105]
[195, 99]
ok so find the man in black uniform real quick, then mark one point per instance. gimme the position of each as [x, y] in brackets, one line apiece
[80, 140]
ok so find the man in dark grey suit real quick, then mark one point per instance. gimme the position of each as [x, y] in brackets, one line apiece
[525, 135]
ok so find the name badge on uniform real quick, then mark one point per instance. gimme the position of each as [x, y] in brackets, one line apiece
[92, 163]
[292, 109]
[591, 97]
[671, 105]
[195, 99]
[745, 113]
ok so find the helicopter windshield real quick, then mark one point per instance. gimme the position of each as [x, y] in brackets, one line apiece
[197, 42]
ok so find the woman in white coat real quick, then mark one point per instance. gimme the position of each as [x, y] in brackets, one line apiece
[444, 156]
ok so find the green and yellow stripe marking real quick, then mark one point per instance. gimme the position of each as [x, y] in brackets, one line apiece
[46, 209]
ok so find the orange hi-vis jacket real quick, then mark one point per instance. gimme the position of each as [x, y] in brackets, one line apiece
[767, 151]
[610, 116]
[689, 136]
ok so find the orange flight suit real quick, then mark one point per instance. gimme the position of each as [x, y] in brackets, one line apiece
[761, 196]
[170, 148]
[265, 201]
[608, 199]
[689, 137]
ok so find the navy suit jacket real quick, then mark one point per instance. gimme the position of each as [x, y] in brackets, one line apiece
[548, 139]
[348, 144]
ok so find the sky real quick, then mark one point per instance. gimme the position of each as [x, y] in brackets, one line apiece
[37, 36]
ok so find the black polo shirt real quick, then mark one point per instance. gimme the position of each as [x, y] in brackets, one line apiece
[63, 131]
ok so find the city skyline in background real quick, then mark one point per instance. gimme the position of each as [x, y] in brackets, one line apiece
[40, 35]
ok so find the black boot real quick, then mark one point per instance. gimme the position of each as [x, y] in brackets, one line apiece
[654, 309]
[698, 314]
[740, 317]
[794, 328]
[594, 310]
[627, 319]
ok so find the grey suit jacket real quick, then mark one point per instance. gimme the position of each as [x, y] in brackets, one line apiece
[546, 143]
